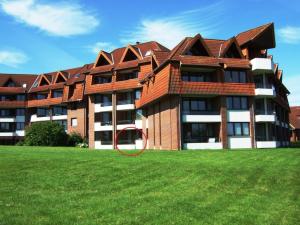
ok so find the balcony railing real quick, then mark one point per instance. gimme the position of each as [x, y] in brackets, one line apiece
[128, 121]
[190, 112]
[202, 139]
[125, 102]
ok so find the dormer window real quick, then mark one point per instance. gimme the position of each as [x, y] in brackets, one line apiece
[130, 53]
[57, 93]
[103, 79]
[127, 75]
[10, 83]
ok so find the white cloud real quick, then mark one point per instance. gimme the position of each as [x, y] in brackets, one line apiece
[170, 30]
[292, 84]
[59, 19]
[290, 34]
[106, 46]
[12, 58]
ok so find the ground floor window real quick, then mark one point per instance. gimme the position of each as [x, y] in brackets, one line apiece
[238, 129]
[129, 137]
[104, 136]
[200, 132]
[20, 126]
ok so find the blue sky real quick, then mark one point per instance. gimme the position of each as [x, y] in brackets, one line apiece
[41, 36]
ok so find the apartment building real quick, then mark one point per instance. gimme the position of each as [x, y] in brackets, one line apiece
[202, 94]
[295, 123]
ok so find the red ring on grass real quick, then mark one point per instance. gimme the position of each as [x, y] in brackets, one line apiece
[131, 154]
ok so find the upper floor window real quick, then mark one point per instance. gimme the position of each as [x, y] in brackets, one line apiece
[20, 126]
[127, 75]
[4, 112]
[57, 93]
[124, 98]
[101, 79]
[235, 76]
[42, 112]
[196, 106]
[5, 127]
[197, 76]
[105, 100]
[20, 112]
[59, 110]
[237, 103]
[137, 94]
[41, 96]
[20, 97]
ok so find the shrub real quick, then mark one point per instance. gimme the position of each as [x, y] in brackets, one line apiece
[20, 143]
[45, 134]
[74, 139]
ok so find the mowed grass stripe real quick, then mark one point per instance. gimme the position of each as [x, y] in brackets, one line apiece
[41, 185]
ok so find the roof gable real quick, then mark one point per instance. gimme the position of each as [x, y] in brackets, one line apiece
[197, 47]
[10, 83]
[103, 59]
[231, 49]
[60, 78]
[43, 81]
[130, 53]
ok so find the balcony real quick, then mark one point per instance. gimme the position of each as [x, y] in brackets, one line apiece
[205, 117]
[262, 65]
[265, 92]
[266, 144]
[238, 116]
[236, 142]
[125, 105]
[103, 107]
[103, 126]
[35, 118]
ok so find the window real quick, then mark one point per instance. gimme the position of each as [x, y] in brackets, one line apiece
[63, 123]
[127, 76]
[105, 118]
[5, 112]
[74, 122]
[20, 97]
[235, 76]
[59, 110]
[139, 114]
[57, 94]
[104, 100]
[42, 112]
[20, 112]
[197, 76]
[20, 126]
[4, 127]
[237, 103]
[104, 136]
[101, 79]
[125, 98]
[196, 105]
[238, 129]
[199, 132]
[137, 94]
[41, 96]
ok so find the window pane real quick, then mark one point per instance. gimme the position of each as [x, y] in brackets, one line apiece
[242, 77]
[194, 105]
[186, 105]
[202, 105]
[236, 103]
[230, 130]
[229, 102]
[235, 76]
[244, 103]
[246, 129]
[238, 129]
[228, 76]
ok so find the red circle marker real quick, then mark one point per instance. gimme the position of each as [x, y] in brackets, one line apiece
[131, 154]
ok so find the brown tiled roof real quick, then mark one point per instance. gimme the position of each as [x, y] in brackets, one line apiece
[214, 46]
[295, 116]
[251, 34]
[19, 80]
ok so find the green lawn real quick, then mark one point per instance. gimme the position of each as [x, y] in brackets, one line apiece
[73, 186]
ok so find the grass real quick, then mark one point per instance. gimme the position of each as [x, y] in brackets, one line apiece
[41, 185]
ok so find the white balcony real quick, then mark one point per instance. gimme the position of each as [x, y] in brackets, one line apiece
[7, 120]
[266, 144]
[101, 127]
[265, 92]
[238, 116]
[100, 146]
[61, 117]
[262, 65]
[35, 118]
[239, 142]
[138, 145]
[7, 134]
[125, 107]
[101, 108]
[137, 124]
[265, 118]
[203, 146]
[201, 118]
[20, 119]
[20, 133]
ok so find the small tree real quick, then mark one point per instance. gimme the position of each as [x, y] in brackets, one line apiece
[45, 134]
[75, 139]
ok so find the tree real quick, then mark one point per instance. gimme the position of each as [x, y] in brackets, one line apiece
[45, 134]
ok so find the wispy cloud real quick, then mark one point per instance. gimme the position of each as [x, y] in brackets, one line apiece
[170, 30]
[292, 84]
[12, 58]
[106, 46]
[290, 34]
[59, 19]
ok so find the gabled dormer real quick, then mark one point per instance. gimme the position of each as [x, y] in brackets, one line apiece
[154, 63]
[197, 47]
[60, 77]
[10, 83]
[103, 59]
[130, 53]
[231, 49]
[44, 81]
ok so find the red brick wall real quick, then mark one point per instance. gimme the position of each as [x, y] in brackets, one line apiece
[91, 120]
[80, 112]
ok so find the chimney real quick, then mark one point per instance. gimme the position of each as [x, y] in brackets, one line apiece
[137, 42]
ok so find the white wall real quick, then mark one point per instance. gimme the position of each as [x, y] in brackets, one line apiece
[238, 116]
[239, 142]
